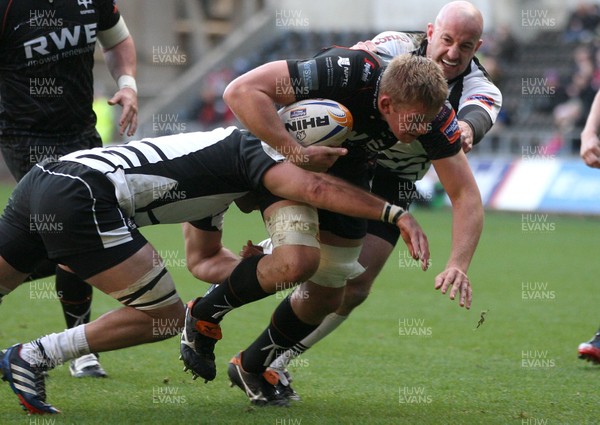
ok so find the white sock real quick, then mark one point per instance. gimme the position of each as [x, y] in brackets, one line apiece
[57, 348]
[328, 325]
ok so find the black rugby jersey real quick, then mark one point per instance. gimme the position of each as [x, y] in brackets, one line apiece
[46, 61]
[352, 78]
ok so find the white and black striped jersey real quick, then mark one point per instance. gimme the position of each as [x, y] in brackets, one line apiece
[183, 177]
[472, 87]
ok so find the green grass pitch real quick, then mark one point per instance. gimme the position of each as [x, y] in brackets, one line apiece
[407, 356]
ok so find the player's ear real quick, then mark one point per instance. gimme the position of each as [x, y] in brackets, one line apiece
[430, 29]
[385, 104]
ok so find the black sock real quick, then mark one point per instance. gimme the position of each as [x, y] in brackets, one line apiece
[284, 331]
[75, 297]
[242, 287]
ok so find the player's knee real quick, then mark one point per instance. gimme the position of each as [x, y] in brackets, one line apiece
[293, 230]
[300, 267]
[354, 298]
[356, 292]
[358, 289]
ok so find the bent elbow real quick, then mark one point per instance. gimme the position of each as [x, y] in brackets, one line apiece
[234, 92]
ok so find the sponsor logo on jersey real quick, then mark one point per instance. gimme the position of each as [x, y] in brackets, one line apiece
[450, 128]
[86, 3]
[367, 69]
[391, 37]
[62, 40]
[344, 63]
[330, 74]
[481, 98]
[397, 43]
[308, 73]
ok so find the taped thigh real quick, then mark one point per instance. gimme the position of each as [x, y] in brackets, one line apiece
[153, 290]
[294, 225]
[338, 264]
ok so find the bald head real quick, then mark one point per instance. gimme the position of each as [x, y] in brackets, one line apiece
[462, 13]
[455, 37]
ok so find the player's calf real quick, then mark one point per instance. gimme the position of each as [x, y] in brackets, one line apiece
[203, 315]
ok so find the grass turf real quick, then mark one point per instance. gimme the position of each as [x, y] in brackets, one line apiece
[407, 356]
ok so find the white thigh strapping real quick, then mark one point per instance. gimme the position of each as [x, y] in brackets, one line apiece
[294, 225]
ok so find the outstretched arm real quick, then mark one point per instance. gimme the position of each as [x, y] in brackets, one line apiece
[467, 223]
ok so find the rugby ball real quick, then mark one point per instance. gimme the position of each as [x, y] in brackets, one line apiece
[317, 122]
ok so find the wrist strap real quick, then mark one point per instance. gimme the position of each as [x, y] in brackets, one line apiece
[391, 213]
[127, 81]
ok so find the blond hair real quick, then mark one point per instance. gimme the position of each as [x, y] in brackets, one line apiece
[414, 80]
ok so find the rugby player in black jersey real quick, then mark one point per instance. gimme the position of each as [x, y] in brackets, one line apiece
[46, 95]
[385, 110]
[107, 193]
[452, 42]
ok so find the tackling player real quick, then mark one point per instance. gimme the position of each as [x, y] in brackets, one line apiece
[105, 195]
[46, 95]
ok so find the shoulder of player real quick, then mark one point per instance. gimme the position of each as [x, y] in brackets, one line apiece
[15, 15]
[394, 43]
[352, 55]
